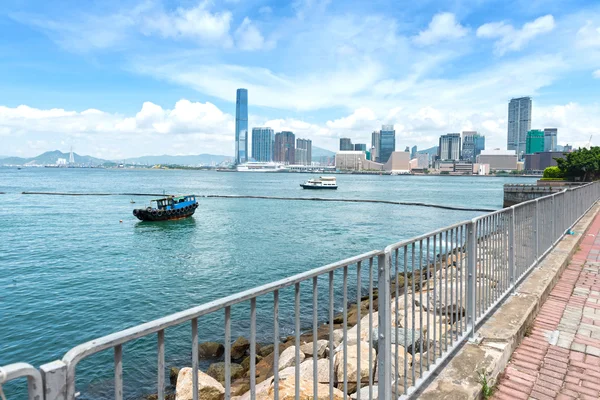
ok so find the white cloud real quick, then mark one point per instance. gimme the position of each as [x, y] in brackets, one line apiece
[588, 35]
[249, 38]
[513, 39]
[443, 27]
[196, 23]
[361, 119]
[596, 74]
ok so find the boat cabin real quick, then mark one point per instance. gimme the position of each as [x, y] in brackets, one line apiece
[174, 203]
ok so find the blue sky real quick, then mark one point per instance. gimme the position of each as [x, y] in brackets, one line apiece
[134, 77]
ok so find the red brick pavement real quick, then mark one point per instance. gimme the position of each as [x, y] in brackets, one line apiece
[560, 359]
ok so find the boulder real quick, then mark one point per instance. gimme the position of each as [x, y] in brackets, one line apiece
[287, 391]
[288, 357]
[265, 350]
[338, 336]
[210, 350]
[261, 390]
[398, 375]
[306, 371]
[239, 348]
[422, 345]
[246, 362]
[364, 393]
[173, 372]
[322, 348]
[351, 364]
[217, 371]
[208, 387]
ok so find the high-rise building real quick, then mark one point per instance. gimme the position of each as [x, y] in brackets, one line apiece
[550, 139]
[387, 143]
[519, 123]
[375, 145]
[413, 152]
[567, 148]
[534, 142]
[263, 141]
[241, 126]
[449, 147]
[360, 147]
[472, 144]
[305, 156]
[285, 147]
[346, 144]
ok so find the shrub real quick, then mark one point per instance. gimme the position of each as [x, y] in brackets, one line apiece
[553, 173]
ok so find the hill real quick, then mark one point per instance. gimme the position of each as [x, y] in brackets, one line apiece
[318, 152]
[192, 160]
[50, 158]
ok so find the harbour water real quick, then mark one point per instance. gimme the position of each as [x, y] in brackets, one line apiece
[70, 271]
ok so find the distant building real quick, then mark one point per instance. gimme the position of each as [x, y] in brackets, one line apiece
[519, 123]
[398, 162]
[387, 142]
[422, 161]
[285, 149]
[550, 139]
[407, 149]
[346, 144]
[413, 152]
[499, 160]
[305, 147]
[543, 160]
[360, 147]
[449, 148]
[479, 144]
[263, 141]
[534, 142]
[241, 126]
[355, 161]
[567, 148]
[472, 144]
[61, 161]
[375, 145]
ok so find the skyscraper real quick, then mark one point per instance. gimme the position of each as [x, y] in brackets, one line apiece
[387, 140]
[519, 123]
[360, 147]
[346, 144]
[241, 126]
[449, 148]
[306, 146]
[534, 142]
[263, 140]
[375, 145]
[285, 149]
[479, 144]
[472, 144]
[550, 139]
[413, 152]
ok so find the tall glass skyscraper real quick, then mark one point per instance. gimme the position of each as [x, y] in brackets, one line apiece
[285, 147]
[375, 145]
[449, 148]
[241, 126]
[387, 142]
[263, 141]
[519, 123]
[550, 136]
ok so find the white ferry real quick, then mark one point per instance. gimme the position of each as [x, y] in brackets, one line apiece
[324, 182]
[255, 166]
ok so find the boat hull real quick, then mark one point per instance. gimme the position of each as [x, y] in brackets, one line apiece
[318, 187]
[168, 215]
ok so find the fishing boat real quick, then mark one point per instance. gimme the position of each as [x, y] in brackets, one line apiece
[324, 182]
[168, 208]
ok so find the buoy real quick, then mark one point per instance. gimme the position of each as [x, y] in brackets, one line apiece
[120, 221]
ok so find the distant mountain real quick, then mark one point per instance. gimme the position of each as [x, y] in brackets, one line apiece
[318, 152]
[432, 151]
[200, 159]
[51, 158]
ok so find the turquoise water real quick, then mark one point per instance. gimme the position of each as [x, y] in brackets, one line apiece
[71, 272]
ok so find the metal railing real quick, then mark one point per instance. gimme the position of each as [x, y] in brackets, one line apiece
[415, 303]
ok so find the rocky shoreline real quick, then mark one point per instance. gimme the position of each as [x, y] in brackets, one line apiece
[448, 320]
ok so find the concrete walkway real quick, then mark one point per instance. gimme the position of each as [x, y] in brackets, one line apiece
[560, 356]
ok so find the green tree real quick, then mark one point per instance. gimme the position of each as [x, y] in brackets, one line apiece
[581, 165]
[553, 173]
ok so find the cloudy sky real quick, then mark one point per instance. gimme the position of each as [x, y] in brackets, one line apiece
[125, 78]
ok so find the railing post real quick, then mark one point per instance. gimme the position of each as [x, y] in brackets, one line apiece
[384, 343]
[54, 376]
[471, 276]
[511, 248]
[552, 214]
[536, 222]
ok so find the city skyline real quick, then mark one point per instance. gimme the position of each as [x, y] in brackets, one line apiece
[83, 74]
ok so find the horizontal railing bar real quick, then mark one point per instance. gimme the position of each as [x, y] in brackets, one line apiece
[73, 356]
[395, 246]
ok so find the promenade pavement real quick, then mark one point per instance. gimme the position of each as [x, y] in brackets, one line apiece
[560, 356]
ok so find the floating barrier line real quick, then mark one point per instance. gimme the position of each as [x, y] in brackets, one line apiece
[224, 196]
